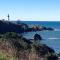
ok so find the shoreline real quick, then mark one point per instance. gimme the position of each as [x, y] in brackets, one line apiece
[12, 32]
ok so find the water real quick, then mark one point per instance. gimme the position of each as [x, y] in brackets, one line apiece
[50, 38]
[53, 24]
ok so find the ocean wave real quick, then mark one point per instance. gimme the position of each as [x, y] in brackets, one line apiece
[56, 29]
[52, 38]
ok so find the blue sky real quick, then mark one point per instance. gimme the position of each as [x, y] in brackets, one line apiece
[41, 10]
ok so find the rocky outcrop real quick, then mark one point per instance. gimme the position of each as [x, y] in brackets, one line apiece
[37, 37]
[42, 28]
[6, 26]
[50, 29]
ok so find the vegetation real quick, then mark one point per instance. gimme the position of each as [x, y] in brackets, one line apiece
[5, 56]
[14, 46]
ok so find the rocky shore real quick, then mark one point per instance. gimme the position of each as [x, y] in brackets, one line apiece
[13, 46]
[6, 26]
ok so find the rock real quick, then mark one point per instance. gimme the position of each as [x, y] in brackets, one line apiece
[37, 37]
[50, 29]
[46, 28]
[52, 58]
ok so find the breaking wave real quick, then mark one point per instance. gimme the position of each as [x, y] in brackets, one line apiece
[56, 29]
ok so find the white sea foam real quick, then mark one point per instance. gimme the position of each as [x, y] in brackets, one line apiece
[53, 38]
[56, 29]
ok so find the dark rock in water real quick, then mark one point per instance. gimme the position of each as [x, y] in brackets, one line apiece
[45, 28]
[50, 29]
[37, 37]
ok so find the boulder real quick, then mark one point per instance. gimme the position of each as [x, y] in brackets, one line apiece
[50, 29]
[37, 37]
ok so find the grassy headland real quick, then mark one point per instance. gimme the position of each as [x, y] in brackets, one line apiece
[13, 46]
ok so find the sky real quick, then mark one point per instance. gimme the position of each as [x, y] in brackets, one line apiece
[30, 10]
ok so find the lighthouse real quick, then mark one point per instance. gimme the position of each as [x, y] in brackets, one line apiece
[8, 17]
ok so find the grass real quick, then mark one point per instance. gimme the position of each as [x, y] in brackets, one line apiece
[6, 56]
[14, 46]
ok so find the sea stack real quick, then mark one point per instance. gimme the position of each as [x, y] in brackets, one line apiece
[37, 37]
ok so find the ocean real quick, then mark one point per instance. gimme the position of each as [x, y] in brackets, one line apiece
[50, 38]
